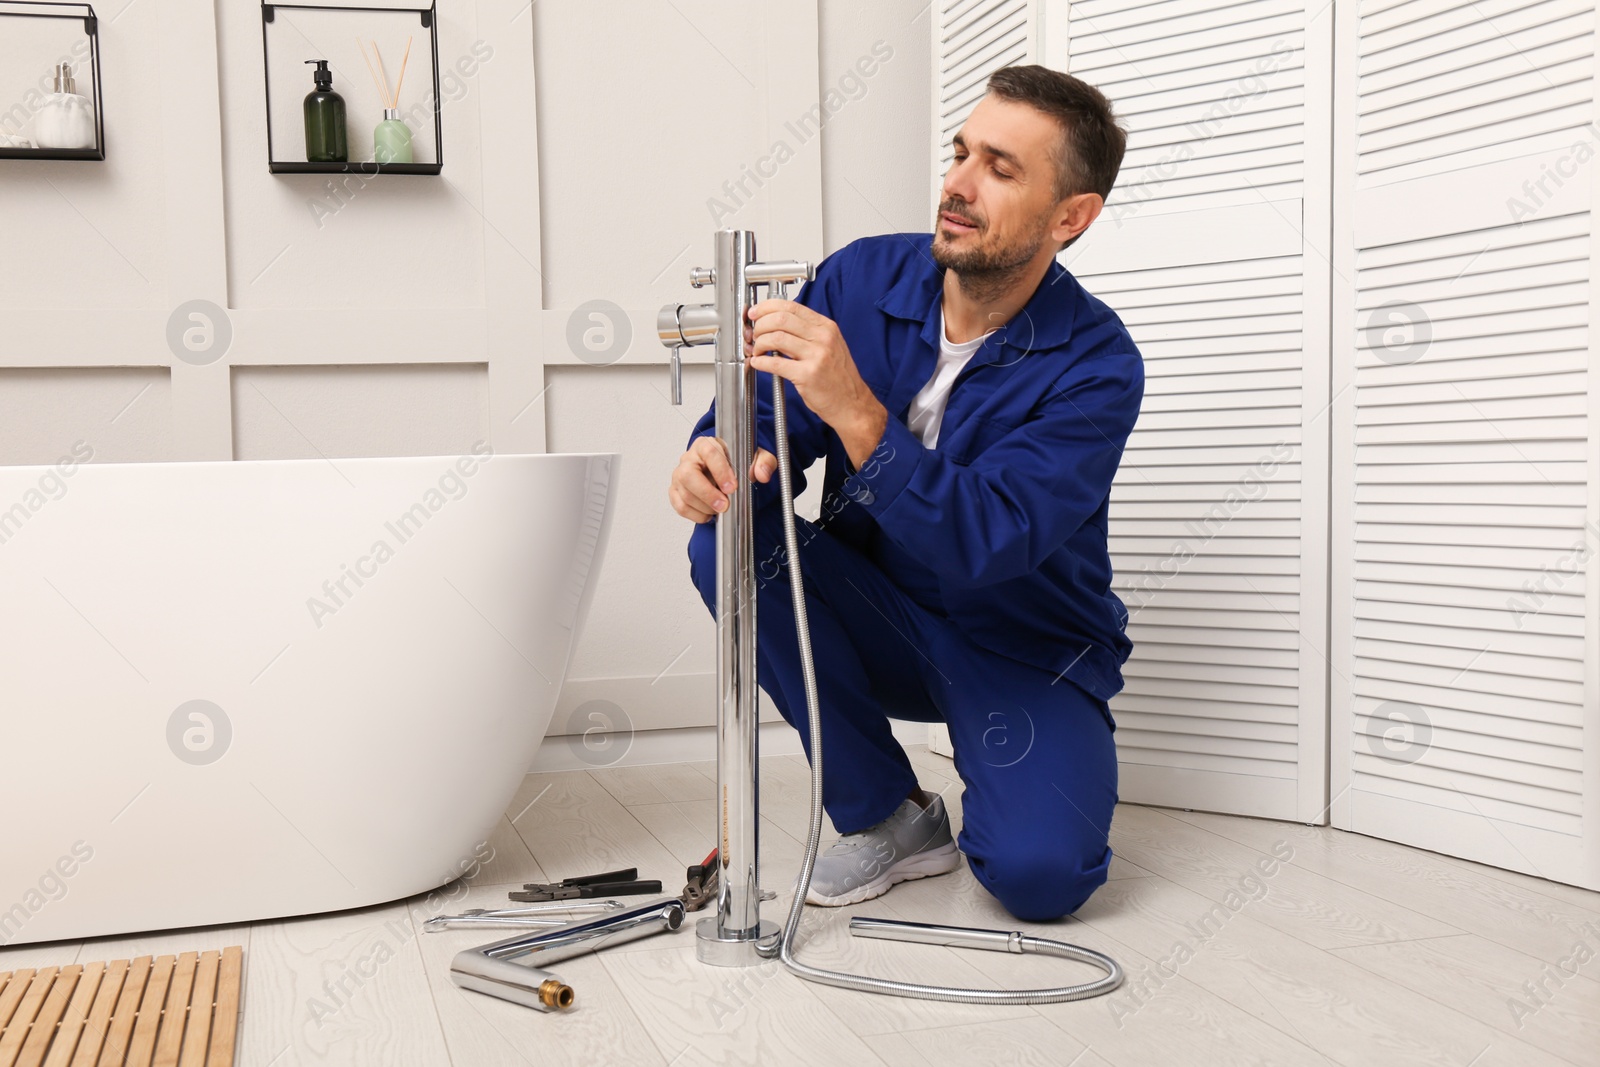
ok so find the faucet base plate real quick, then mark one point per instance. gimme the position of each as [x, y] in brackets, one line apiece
[726, 950]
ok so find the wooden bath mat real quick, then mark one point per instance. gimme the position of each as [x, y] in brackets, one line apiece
[170, 1011]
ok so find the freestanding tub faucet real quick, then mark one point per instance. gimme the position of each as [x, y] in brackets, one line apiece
[512, 968]
[729, 937]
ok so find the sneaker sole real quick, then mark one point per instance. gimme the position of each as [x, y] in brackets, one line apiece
[941, 860]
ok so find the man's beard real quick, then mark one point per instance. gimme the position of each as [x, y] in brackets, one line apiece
[985, 273]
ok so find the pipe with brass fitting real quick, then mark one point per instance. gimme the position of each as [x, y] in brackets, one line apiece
[513, 969]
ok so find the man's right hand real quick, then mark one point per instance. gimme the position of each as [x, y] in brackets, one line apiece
[703, 478]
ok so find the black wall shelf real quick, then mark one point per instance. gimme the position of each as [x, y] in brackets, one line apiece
[368, 167]
[430, 21]
[48, 9]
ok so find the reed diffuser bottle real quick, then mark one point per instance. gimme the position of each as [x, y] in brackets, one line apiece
[391, 138]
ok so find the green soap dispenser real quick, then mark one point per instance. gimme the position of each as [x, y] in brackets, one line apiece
[324, 110]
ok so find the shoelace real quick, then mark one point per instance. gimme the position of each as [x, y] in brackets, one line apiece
[851, 840]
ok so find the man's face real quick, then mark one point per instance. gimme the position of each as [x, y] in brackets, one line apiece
[1001, 185]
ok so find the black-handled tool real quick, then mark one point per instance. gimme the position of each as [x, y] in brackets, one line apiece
[598, 889]
[701, 887]
[607, 883]
[626, 875]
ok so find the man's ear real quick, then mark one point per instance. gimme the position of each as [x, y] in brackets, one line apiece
[1075, 214]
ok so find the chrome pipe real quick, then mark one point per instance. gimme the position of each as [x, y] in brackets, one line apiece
[451, 922]
[731, 937]
[738, 903]
[586, 935]
[532, 915]
[932, 934]
[778, 272]
[513, 969]
[528, 986]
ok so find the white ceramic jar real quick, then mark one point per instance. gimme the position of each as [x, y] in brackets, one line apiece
[65, 120]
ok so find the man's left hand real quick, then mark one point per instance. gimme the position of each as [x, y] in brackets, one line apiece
[820, 366]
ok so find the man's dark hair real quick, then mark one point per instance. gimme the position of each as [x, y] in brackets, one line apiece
[1089, 153]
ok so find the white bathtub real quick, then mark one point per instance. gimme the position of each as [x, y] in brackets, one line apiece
[355, 740]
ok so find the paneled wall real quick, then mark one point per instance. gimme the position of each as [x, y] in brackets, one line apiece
[590, 151]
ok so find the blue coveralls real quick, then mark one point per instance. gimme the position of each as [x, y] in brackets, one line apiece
[967, 583]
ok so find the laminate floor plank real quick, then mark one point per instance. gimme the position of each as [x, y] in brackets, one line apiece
[1518, 914]
[347, 987]
[1313, 907]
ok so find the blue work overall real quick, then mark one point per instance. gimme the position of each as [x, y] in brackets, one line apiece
[967, 584]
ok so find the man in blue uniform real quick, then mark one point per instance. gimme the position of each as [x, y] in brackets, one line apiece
[971, 402]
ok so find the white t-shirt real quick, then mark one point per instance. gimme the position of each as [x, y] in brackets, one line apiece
[927, 407]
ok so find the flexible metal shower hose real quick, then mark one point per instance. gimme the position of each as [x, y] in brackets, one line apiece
[956, 936]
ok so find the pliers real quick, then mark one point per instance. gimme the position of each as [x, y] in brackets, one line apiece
[701, 888]
[607, 883]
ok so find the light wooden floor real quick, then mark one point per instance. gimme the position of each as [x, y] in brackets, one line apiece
[1354, 951]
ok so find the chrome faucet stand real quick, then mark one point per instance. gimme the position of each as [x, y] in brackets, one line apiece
[729, 937]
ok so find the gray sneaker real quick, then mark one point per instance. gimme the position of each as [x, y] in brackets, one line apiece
[911, 843]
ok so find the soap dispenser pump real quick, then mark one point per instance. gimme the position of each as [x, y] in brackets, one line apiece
[324, 114]
[65, 119]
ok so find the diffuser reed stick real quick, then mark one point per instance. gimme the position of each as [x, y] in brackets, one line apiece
[383, 85]
[403, 61]
[383, 90]
[385, 74]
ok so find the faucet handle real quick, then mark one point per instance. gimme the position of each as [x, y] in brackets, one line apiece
[700, 277]
[677, 373]
[783, 270]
